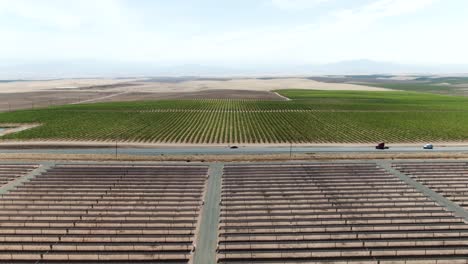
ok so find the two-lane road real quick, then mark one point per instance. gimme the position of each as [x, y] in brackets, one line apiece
[228, 151]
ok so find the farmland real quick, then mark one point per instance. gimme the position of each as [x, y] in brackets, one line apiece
[410, 83]
[310, 117]
[436, 88]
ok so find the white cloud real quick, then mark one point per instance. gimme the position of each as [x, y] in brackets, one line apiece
[106, 29]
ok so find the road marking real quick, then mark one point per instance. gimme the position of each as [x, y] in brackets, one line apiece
[206, 243]
[43, 167]
[441, 200]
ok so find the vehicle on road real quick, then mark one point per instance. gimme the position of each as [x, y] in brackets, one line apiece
[381, 146]
[233, 147]
[428, 146]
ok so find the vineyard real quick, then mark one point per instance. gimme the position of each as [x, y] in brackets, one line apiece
[310, 117]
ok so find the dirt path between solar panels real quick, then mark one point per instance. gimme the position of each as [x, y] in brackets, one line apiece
[207, 237]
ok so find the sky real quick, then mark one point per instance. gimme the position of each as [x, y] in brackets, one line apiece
[234, 32]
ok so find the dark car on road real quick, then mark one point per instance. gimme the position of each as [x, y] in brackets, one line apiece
[381, 146]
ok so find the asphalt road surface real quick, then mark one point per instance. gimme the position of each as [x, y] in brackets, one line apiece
[228, 151]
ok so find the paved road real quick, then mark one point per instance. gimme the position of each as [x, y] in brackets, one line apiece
[227, 151]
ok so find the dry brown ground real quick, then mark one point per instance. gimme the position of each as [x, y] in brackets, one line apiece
[230, 158]
[47, 85]
[39, 99]
[206, 94]
[252, 84]
[34, 94]
[31, 100]
[190, 85]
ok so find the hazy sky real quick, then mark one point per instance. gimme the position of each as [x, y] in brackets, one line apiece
[235, 32]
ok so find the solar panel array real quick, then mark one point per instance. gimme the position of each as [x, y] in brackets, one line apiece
[111, 214]
[11, 172]
[332, 213]
[273, 213]
[449, 179]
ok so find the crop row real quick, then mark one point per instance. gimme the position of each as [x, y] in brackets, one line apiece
[241, 127]
[302, 100]
[311, 117]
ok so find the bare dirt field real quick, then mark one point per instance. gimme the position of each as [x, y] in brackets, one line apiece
[38, 99]
[191, 85]
[253, 84]
[35, 94]
[206, 94]
[61, 84]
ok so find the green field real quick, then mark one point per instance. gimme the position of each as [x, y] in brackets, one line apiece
[436, 88]
[310, 117]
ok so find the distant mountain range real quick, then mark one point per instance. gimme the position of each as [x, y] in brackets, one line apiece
[88, 69]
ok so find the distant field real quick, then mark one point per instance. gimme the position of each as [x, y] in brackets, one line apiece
[455, 85]
[310, 117]
[436, 88]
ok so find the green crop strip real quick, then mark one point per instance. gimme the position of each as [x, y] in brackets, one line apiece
[310, 117]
